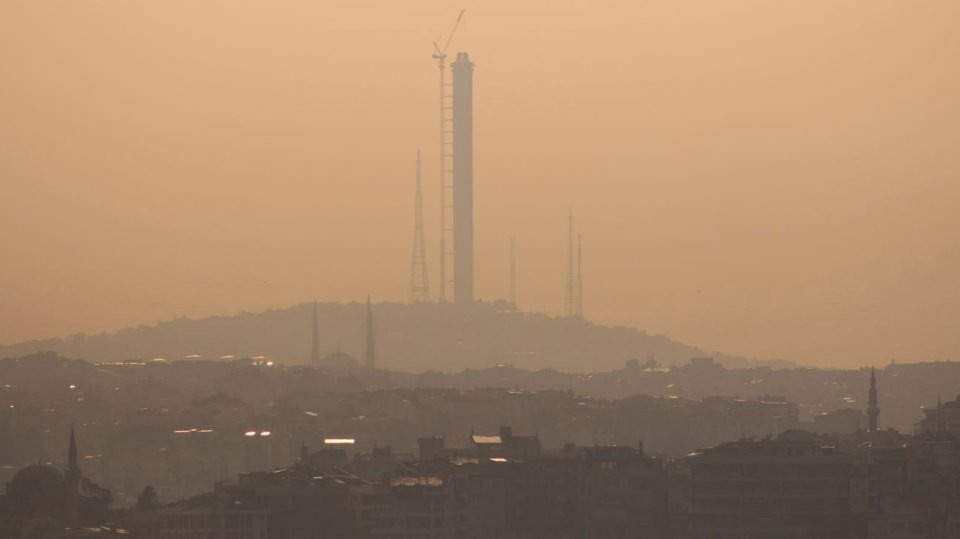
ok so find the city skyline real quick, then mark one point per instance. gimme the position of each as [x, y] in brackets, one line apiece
[678, 270]
[765, 197]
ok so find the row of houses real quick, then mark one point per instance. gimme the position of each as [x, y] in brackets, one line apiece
[797, 485]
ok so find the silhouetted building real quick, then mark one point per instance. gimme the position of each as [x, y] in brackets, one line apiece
[405, 506]
[210, 515]
[431, 448]
[538, 498]
[506, 445]
[841, 421]
[913, 488]
[624, 494]
[40, 493]
[945, 417]
[789, 487]
[298, 502]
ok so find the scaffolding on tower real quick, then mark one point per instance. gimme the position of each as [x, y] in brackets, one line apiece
[446, 164]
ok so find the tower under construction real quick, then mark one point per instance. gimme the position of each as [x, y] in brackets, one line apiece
[573, 293]
[462, 69]
[447, 209]
[419, 282]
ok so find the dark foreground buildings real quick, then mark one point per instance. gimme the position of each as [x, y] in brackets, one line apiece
[874, 484]
[43, 502]
[794, 486]
[599, 492]
[789, 487]
[798, 485]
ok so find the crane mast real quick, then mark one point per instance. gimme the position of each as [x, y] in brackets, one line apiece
[446, 158]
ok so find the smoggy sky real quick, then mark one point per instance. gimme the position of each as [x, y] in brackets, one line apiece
[765, 178]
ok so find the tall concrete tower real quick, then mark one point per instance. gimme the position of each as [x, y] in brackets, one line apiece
[462, 178]
[873, 408]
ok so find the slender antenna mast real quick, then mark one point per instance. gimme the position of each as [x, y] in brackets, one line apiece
[579, 276]
[446, 158]
[315, 351]
[569, 302]
[369, 347]
[513, 273]
[419, 282]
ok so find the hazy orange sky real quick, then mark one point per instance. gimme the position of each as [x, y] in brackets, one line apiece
[764, 178]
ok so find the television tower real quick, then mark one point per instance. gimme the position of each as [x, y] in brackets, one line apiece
[446, 154]
[419, 282]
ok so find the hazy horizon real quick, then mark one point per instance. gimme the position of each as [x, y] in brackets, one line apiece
[773, 180]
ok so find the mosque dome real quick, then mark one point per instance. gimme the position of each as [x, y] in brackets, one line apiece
[42, 476]
[38, 489]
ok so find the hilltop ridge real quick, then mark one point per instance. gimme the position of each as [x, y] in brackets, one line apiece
[418, 337]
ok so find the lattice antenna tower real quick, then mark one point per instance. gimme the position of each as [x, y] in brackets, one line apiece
[419, 281]
[579, 277]
[369, 341]
[446, 164]
[570, 296]
[513, 273]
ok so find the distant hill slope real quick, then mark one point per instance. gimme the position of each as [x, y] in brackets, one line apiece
[409, 337]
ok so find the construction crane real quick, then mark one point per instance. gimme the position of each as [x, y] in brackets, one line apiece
[441, 54]
[446, 155]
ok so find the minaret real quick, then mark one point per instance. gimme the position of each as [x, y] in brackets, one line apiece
[462, 179]
[940, 419]
[72, 452]
[73, 483]
[369, 350]
[873, 409]
[315, 353]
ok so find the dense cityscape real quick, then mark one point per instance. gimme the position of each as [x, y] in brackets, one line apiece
[251, 448]
[212, 325]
